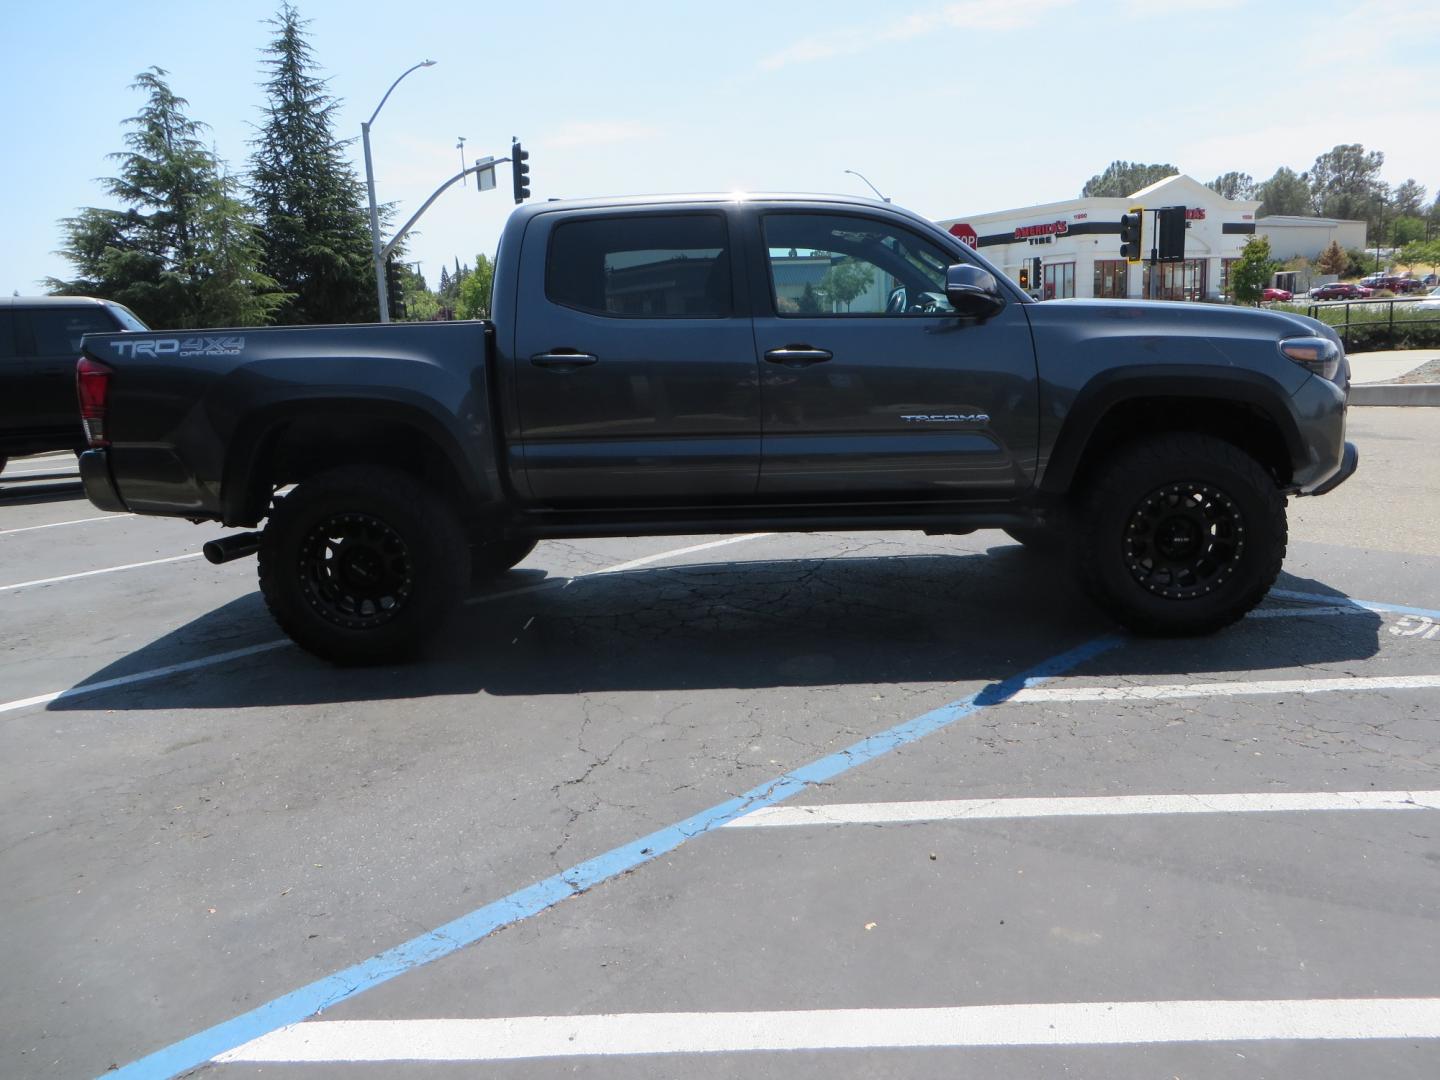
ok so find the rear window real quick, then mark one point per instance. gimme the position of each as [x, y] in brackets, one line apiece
[58, 330]
[673, 266]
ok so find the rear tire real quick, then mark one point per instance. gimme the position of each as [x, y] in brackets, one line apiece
[361, 565]
[1180, 535]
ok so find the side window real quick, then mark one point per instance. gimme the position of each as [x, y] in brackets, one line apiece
[822, 264]
[58, 330]
[673, 266]
[7, 335]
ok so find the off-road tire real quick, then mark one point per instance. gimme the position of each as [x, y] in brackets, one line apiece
[361, 564]
[491, 558]
[1179, 535]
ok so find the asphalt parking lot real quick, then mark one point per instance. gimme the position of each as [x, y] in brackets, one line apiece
[770, 805]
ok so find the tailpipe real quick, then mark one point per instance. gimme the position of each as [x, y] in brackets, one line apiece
[231, 547]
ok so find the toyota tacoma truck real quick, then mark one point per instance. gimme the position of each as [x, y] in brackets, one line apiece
[712, 364]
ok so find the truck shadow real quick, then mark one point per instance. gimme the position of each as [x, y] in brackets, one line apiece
[918, 619]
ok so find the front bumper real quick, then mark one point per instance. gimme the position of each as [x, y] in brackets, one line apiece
[1349, 462]
[99, 484]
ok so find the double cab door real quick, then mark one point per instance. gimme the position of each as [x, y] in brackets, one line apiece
[760, 353]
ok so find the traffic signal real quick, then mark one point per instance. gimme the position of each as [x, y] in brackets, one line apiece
[1170, 234]
[520, 171]
[1131, 230]
[1024, 277]
[1035, 271]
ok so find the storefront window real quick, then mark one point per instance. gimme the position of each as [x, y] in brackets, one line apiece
[1225, 265]
[1111, 279]
[1179, 280]
[1059, 281]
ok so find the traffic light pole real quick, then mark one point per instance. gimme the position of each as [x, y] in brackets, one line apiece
[477, 169]
[1154, 289]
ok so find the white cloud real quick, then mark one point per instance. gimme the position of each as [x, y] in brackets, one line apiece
[600, 133]
[968, 15]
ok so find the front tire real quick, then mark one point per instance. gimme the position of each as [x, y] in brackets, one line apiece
[1182, 535]
[360, 565]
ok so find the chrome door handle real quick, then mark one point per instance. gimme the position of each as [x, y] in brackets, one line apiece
[564, 361]
[797, 356]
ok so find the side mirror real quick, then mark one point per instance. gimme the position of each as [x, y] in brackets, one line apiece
[973, 292]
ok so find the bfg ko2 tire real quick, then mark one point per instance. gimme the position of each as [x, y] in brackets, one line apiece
[359, 565]
[1181, 534]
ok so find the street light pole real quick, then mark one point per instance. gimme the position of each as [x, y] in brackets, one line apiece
[872, 187]
[381, 292]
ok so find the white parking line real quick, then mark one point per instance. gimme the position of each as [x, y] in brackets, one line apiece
[220, 658]
[1084, 806]
[57, 524]
[93, 573]
[1061, 1024]
[1226, 689]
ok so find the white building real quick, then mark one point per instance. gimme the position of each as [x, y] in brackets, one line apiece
[1075, 245]
[1308, 236]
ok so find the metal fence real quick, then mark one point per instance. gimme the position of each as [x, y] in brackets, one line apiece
[1374, 322]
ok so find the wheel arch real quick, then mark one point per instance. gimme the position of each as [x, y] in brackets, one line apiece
[1244, 408]
[291, 441]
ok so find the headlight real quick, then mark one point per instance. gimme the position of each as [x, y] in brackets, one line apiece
[1317, 354]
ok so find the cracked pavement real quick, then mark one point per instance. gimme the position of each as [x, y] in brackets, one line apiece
[175, 852]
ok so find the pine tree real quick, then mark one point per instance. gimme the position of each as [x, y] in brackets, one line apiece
[185, 253]
[311, 204]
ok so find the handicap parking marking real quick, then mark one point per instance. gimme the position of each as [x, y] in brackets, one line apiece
[307, 1001]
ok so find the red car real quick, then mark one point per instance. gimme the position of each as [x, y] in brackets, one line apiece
[1277, 294]
[1340, 290]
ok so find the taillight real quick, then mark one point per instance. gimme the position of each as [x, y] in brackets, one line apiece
[92, 386]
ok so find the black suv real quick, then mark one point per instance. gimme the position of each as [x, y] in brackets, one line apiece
[39, 344]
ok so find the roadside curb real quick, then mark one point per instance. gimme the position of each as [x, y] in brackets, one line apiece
[1395, 394]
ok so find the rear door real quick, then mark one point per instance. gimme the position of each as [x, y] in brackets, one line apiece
[50, 344]
[871, 385]
[634, 363]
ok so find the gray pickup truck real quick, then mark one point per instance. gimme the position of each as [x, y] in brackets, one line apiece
[708, 364]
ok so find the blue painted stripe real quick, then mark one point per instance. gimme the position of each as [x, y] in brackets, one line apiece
[305, 1002]
[1367, 605]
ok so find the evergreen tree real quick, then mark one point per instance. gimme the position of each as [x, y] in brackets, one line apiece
[311, 204]
[184, 253]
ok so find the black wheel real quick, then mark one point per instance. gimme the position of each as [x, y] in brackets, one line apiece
[360, 565]
[492, 558]
[1182, 534]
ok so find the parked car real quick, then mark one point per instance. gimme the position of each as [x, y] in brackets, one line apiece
[39, 344]
[1277, 294]
[1431, 297]
[1340, 290]
[644, 375]
[1393, 282]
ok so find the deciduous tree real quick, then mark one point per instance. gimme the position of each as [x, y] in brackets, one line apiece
[1253, 270]
[1122, 178]
[1284, 193]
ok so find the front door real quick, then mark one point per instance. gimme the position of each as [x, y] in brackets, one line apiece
[871, 385]
[634, 361]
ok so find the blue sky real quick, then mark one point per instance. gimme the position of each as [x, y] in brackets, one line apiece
[950, 108]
